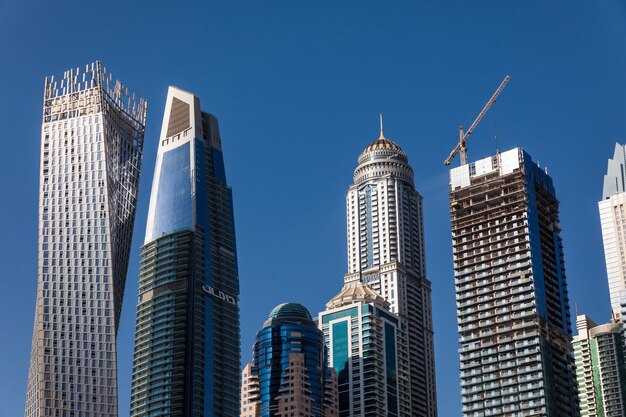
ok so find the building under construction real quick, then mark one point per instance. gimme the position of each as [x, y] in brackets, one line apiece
[511, 294]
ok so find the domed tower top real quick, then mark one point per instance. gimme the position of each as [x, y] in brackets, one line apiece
[289, 312]
[383, 157]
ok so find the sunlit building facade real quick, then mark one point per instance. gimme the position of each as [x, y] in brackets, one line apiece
[386, 251]
[613, 223]
[187, 342]
[91, 152]
[511, 292]
[362, 339]
[289, 375]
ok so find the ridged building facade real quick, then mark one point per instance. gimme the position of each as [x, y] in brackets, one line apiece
[511, 292]
[385, 237]
[91, 152]
[187, 343]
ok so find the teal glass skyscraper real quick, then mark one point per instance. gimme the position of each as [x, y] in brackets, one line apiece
[362, 338]
[187, 348]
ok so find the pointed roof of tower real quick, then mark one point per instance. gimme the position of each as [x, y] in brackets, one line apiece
[382, 143]
[615, 177]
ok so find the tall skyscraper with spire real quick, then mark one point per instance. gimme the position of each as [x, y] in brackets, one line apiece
[613, 223]
[187, 342]
[386, 251]
[91, 151]
[512, 302]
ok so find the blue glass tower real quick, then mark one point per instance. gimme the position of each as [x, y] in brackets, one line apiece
[288, 374]
[187, 348]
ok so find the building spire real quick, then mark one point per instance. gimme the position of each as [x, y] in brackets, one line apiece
[382, 130]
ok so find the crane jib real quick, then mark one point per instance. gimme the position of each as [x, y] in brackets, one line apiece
[460, 147]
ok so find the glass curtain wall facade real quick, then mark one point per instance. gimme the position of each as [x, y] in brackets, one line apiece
[613, 223]
[511, 293]
[362, 339]
[386, 251]
[600, 368]
[187, 342]
[289, 373]
[91, 151]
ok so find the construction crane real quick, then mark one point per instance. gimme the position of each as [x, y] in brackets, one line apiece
[460, 147]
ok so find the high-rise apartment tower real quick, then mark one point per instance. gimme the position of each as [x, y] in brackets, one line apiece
[362, 339]
[600, 368]
[511, 293]
[91, 150]
[187, 348]
[613, 223]
[386, 252]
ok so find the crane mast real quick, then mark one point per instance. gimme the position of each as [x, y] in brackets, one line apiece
[463, 136]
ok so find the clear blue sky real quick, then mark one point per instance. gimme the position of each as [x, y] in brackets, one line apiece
[297, 87]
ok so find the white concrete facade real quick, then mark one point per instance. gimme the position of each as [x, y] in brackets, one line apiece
[385, 237]
[91, 151]
[613, 224]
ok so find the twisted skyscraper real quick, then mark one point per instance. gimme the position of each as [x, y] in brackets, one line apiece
[91, 150]
[386, 251]
[187, 352]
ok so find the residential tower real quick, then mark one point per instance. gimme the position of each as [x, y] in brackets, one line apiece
[385, 237]
[91, 151]
[600, 368]
[362, 338]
